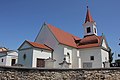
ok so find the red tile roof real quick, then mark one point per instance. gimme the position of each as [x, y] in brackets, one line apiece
[69, 39]
[3, 52]
[90, 41]
[3, 49]
[88, 46]
[63, 37]
[41, 46]
[88, 17]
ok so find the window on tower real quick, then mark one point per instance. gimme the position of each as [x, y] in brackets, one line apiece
[95, 30]
[88, 30]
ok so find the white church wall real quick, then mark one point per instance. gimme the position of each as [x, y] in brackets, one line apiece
[76, 59]
[45, 36]
[85, 55]
[25, 57]
[58, 55]
[105, 56]
[8, 61]
[73, 57]
[40, 54]
[63, 50]
[68, 54]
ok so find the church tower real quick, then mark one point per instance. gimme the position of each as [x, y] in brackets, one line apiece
[89, 25]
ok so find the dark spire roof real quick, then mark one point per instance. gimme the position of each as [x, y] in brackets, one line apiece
[88, 16]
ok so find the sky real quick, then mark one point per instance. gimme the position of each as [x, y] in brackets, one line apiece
[21, 20]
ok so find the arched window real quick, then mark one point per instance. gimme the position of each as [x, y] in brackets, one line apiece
[1, 60]
[68, 57]
[24, 56]
[88, 30]
[95, 30]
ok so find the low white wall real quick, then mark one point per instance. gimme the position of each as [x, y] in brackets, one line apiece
[85, 57]
[37, 53]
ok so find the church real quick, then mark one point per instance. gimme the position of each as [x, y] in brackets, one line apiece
[55, 48]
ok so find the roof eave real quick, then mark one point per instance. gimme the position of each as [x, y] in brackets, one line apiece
[68, 45]
[43, 48]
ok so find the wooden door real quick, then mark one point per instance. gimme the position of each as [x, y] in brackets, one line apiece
[40, 63]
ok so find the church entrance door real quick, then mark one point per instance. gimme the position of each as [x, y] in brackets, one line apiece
[40, 62]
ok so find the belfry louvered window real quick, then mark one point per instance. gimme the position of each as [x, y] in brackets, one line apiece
[88, 30]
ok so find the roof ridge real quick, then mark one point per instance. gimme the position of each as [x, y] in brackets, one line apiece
[39, 45]
[63, 30]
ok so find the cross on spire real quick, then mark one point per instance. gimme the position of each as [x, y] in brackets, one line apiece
[87, 3]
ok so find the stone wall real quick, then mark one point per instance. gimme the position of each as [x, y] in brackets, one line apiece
[17, 73]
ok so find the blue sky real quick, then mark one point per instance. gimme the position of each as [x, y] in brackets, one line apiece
[22, 19]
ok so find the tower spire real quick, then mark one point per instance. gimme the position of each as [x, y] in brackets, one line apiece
[88, 16]
[89, 24]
